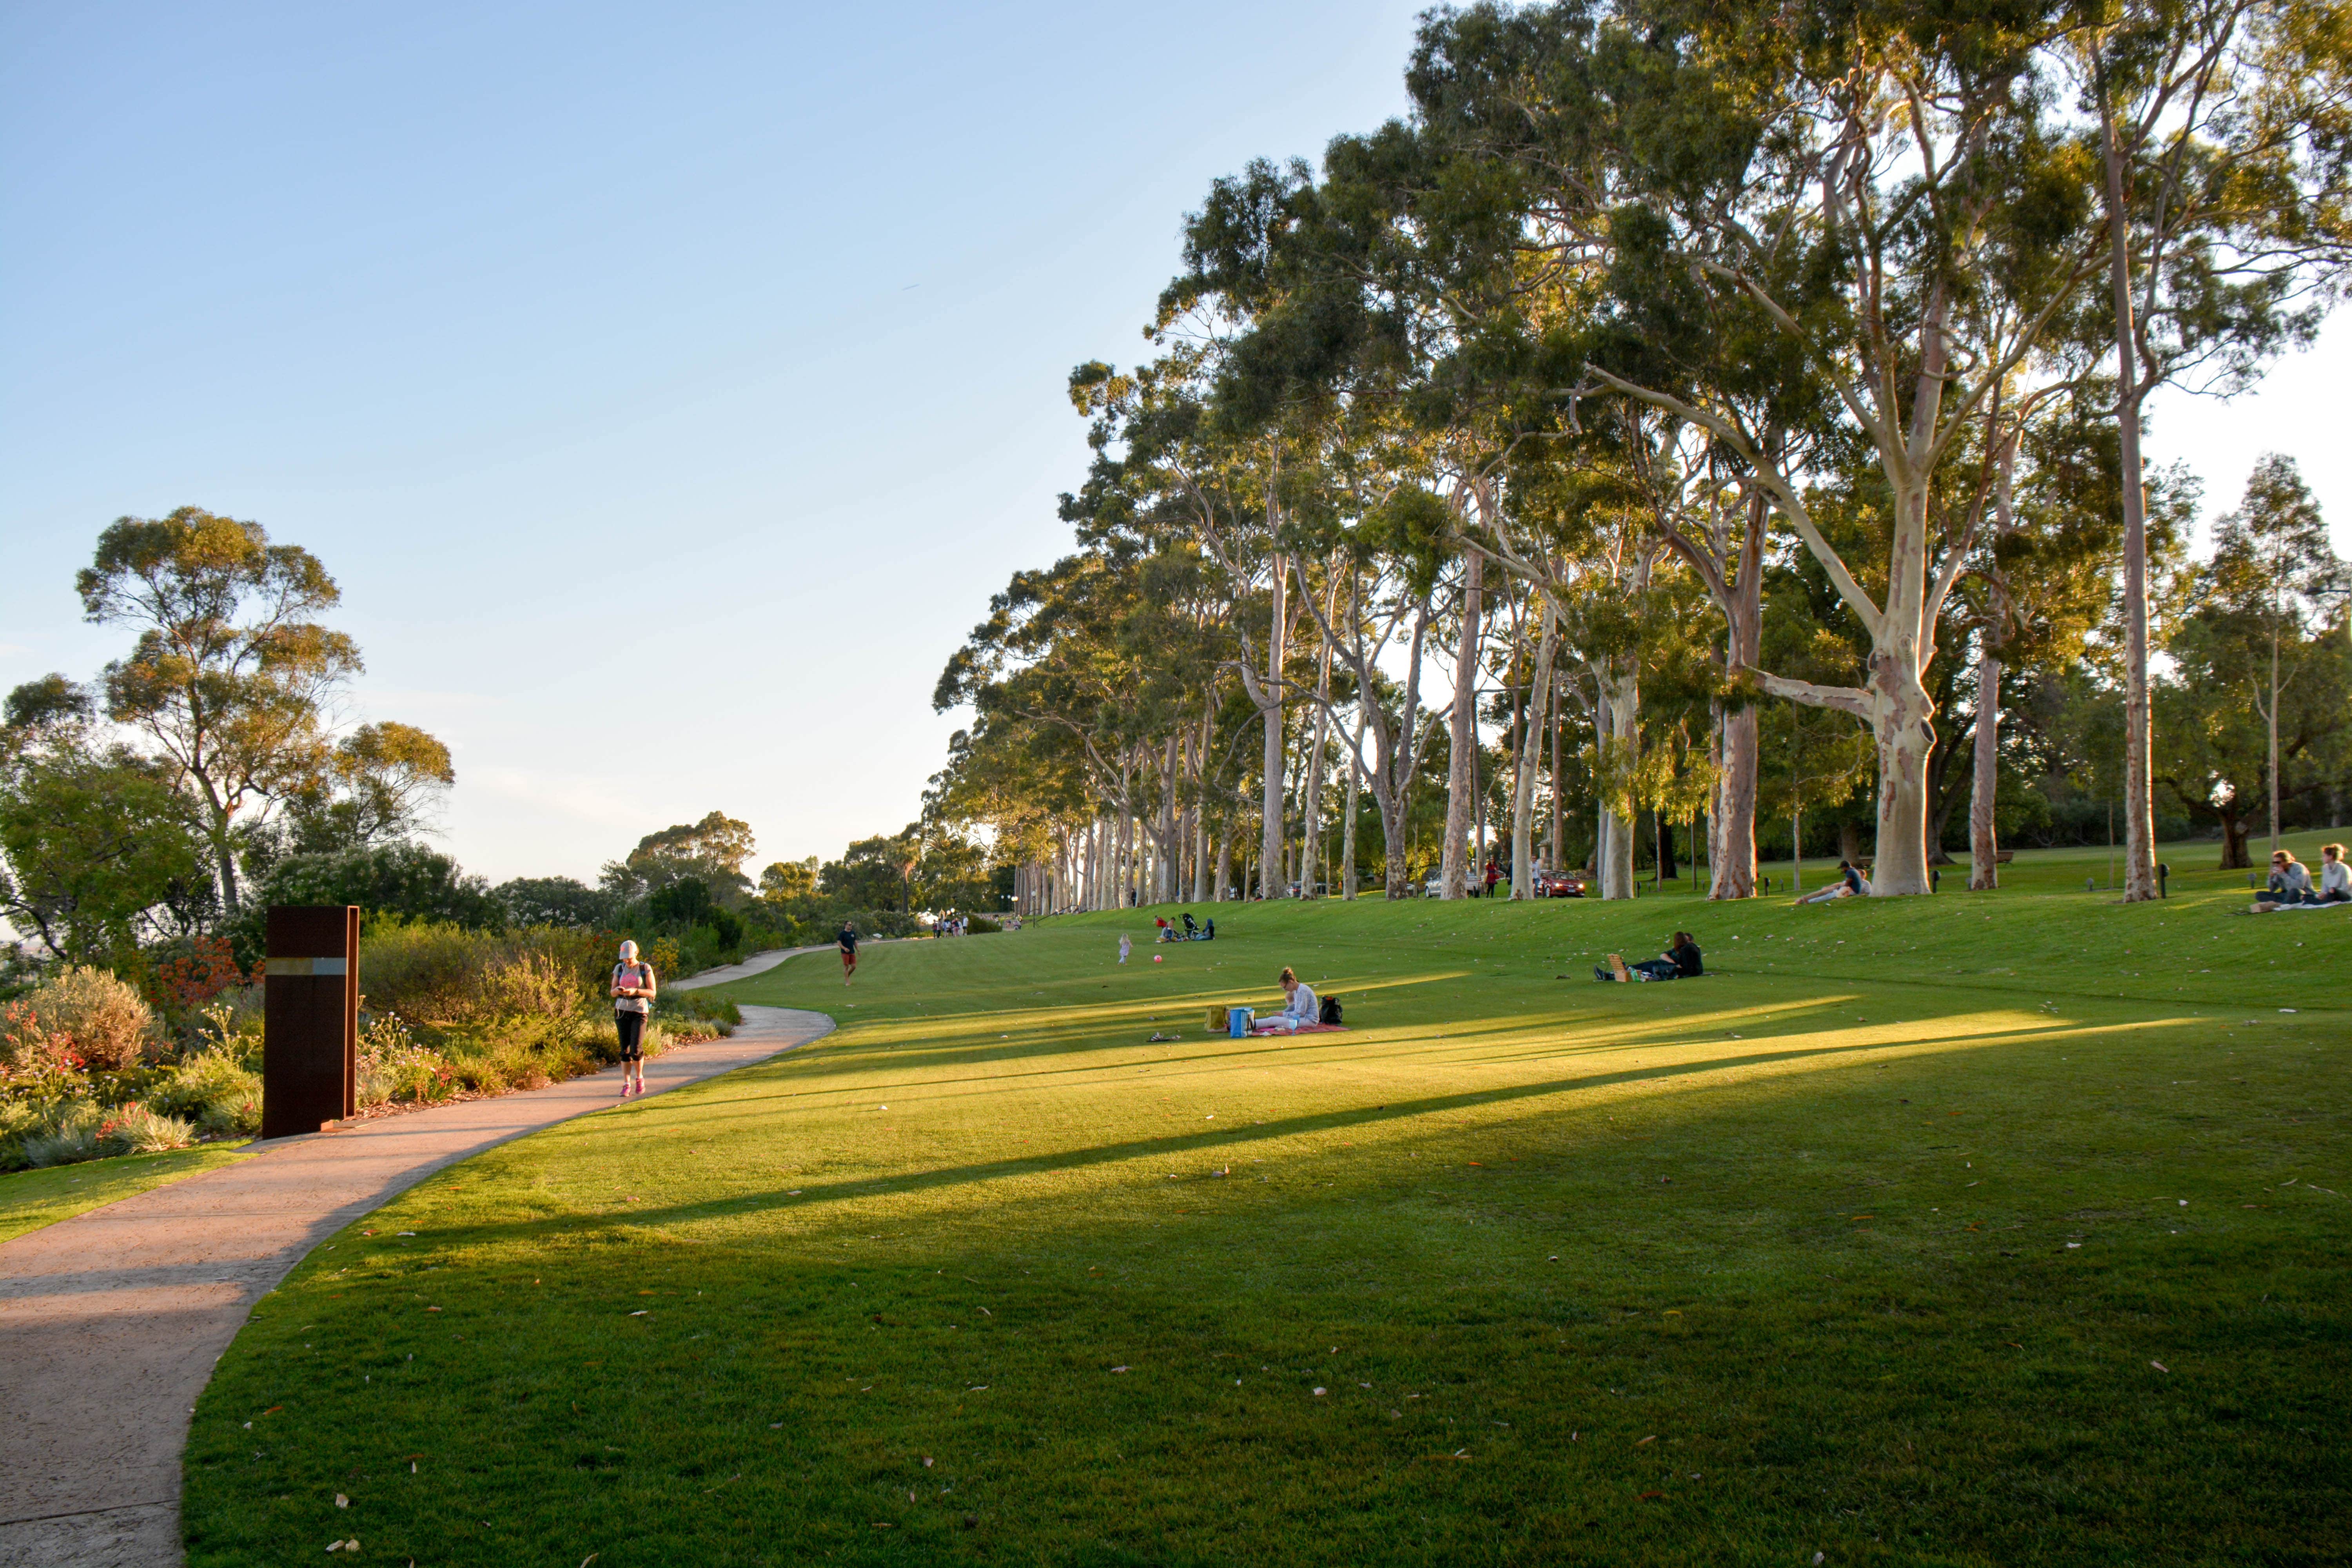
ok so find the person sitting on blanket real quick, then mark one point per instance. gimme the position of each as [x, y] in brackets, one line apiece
[2290, 883]
[2335, 875]
[1299, 1007]
[1680, 962]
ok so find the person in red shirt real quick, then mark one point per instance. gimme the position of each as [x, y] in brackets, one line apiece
[1494, 874]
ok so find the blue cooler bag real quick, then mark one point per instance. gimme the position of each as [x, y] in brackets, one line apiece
[1238, 1020]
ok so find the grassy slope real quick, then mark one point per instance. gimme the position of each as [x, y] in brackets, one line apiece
[1865, 1246]
[31, 1199]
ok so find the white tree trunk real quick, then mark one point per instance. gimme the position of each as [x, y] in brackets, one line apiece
[1460, 787]
[1984, 840]
[1270, 837]
[1533, 726]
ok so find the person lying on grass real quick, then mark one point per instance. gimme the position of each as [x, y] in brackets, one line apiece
[1851, 884]
[1679, 961]
[1298, 1008]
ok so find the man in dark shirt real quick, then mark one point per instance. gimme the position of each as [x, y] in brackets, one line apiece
[849, 940]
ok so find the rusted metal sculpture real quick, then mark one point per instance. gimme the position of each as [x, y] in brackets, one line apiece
[311, 1018]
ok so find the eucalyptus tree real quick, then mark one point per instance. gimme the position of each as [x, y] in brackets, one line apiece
[1861, 183]
[2224, 146]
[2041, 591]
[232, 673]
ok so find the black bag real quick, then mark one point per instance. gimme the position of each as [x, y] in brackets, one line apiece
[1329, 1012]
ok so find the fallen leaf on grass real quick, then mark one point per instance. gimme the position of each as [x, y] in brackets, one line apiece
[1647, 1496]
[2159, 1366]
[638, 1313]
[1651, 1438]
[343, 1501]
[1318, 1394]
[1114, 1369]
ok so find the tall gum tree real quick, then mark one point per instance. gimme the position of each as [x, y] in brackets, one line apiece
[2223, 129]
[1861, 180]
[232, 674]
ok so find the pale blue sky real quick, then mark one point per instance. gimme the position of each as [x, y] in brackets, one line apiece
[666, 387]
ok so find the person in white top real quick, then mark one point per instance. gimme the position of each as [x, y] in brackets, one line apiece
[1299, 1007]
[2335, 875]
[633, 1003]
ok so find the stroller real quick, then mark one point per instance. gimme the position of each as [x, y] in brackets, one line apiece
[1192, 927]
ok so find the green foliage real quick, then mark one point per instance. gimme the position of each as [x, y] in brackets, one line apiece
[712, 851]
[97, 850]
[556, 902]
[405, 879]
[216, 1090]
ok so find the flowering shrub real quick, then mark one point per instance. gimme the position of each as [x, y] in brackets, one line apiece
[38, 1065]
[393, 1066]
[83, 1013]
[194, 978]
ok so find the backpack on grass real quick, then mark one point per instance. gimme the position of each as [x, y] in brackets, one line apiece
[1329, 1012]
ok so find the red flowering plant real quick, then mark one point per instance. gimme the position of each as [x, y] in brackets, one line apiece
[38, 1065]
[184, 982]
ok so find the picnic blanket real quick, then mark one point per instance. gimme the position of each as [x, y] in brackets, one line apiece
[1306, 1029]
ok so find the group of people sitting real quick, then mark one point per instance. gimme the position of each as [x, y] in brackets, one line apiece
[2290, 882]
[1192, 931]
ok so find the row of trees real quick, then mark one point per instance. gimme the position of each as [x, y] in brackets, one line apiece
[1755, 395]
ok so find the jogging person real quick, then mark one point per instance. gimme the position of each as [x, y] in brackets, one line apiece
[633, 1000]
[849, 940]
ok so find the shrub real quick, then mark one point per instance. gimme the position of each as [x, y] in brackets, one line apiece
[216, 1090]
[85, 1012]
[85, 1131]
[19, 1122]
[443, 975]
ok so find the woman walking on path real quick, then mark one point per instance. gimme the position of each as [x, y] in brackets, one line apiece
[633, 1001]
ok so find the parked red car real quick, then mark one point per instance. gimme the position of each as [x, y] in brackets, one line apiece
[1559, 884]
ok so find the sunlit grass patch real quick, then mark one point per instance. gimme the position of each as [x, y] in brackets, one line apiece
[1724, 1271]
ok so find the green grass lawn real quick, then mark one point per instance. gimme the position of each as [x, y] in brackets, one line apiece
[1987, 1229]
[31, 1199]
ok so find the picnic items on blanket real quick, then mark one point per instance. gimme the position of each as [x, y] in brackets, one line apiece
[1238, 1021]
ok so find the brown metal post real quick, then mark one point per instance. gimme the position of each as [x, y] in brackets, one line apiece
[311, 1011]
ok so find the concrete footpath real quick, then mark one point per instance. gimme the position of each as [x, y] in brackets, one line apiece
[110, 1321]
[757, 963]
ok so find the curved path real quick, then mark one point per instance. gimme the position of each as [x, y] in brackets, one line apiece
[111, 1320]
[757, 963]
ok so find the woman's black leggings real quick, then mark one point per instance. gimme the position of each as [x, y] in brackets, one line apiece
[633, 1035]
[1656, 969]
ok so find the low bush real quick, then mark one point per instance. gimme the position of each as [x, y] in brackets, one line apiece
[393, 1066]
[87, 1131]
[19, 1120]
[216, 1090]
